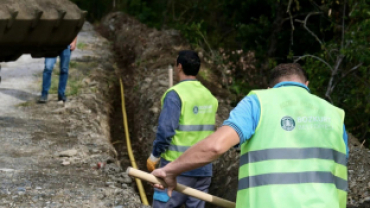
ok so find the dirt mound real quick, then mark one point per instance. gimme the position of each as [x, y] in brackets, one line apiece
[358, 173]
[144, 55]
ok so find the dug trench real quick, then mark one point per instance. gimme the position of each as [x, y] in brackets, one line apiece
[143, 56]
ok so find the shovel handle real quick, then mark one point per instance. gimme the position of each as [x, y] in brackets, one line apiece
[181, 188]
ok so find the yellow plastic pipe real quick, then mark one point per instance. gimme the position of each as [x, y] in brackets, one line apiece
[144, 200]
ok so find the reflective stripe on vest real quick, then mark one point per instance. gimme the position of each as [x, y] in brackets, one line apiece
[297, 156]
[196, 127]
[178, 148]
[197, 118]
[292, 178]
[293, 153]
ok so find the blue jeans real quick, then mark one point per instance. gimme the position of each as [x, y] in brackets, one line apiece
[65, 57]
[161, 199]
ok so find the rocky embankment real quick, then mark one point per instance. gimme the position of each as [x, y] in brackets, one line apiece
[358, 174]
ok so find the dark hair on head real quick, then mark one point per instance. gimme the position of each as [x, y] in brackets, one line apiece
[190, 62]
[287, 70]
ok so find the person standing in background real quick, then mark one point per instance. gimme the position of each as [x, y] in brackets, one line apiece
[65, 57]
[188, 116]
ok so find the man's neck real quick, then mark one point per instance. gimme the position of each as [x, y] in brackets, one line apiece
[182, 78]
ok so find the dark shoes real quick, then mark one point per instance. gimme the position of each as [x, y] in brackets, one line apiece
[43, 99]
[62, 98]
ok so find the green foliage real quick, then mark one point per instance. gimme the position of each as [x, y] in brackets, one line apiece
[350, 88]
[193, 33]
[204, 73]
[265, 29]
[95, 8]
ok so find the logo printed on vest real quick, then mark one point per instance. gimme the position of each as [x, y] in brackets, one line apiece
[287, 123]
[195, 109]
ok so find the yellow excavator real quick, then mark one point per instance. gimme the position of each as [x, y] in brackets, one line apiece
[42, 28]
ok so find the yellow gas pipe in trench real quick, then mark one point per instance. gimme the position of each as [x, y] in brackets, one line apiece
[144, 200]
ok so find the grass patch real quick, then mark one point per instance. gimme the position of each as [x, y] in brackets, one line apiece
[73, 85]
[86, 67]
[81, 46]
[73, 64]
[54, 84]
[77, 72]
[26, 104]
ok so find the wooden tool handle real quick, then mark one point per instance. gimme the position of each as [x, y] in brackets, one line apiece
[181, 188]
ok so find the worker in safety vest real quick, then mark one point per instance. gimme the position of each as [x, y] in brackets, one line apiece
[293, 147]
[187, 117]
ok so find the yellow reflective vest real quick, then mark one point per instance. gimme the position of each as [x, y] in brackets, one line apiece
[197, 118]
[297, 156]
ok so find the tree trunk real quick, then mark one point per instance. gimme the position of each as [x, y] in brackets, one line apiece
[276, 29]
[273, 40]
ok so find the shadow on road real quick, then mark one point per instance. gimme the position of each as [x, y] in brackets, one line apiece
[19, 94]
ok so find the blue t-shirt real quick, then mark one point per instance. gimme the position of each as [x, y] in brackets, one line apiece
[245, 116]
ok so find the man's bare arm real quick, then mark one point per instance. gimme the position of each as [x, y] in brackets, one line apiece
[198, 155]
[73, 44]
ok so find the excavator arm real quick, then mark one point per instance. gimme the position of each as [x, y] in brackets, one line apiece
[41, 28]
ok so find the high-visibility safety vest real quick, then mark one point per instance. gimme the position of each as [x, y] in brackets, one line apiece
[197, 118]
[297, 156]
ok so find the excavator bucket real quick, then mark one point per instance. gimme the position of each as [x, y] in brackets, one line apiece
[42, 28]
